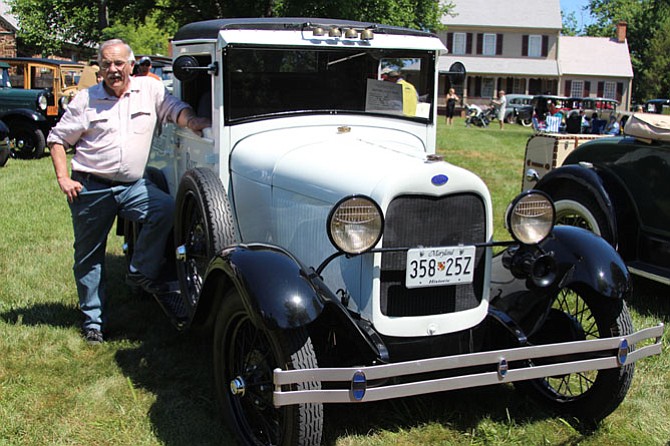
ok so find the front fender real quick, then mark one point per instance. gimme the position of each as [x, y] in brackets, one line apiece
[278, 291]
[24, 113]
[586, 178]
[582, 260]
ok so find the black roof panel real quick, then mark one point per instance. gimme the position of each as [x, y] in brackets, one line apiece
[209, 29]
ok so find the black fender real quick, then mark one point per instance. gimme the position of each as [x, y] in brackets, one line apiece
[588, 179]
[24, 113]
[281, 293]
[581, 260]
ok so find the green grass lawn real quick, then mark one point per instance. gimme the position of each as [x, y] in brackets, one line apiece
[150, 385]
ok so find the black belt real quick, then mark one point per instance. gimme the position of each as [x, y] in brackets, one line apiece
[85, 176]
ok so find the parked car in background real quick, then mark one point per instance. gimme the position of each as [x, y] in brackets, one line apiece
[338, 259]
[658, 106]
[25, 113]
[519, 109]
[5, 146]
[619, 188]
[35, 93]
[603, 107]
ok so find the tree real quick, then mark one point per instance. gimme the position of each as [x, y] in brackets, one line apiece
[647, 33]
[48, 25]
[570, 26]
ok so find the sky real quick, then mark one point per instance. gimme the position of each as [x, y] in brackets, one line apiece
[583, 17]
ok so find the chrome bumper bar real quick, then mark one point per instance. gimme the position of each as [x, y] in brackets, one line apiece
[358, 377]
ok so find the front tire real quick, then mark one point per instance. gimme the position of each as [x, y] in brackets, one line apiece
[589, 396]
[575, 207]
[244, 358]
[29, 141]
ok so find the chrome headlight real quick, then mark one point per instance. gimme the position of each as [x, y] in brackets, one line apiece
[530, 217]
[355, 224]
[42, 102]
[64, 101]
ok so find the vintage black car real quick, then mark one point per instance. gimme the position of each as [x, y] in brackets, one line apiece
[5, 147]
[659, 106]
[620, 189]
[519, 109]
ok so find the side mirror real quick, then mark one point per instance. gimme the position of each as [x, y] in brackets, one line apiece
[185, 68]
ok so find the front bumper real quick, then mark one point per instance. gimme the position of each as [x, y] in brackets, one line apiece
[602, 354]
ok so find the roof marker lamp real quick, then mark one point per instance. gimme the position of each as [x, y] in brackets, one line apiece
[355, 224]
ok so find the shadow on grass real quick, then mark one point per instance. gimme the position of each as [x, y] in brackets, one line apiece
[459, 410]
[650, 298]
[177, 369]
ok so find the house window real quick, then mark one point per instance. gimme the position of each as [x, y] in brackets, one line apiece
[459, 43]
[610, 90]
[487, 87]
[577, 89]
[489, 47]
[534, 46]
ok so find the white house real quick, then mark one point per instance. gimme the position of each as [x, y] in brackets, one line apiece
[518, 47]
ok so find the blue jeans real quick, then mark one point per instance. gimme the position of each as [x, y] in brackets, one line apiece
[93, 214]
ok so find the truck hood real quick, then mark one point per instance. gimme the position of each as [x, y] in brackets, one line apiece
[329, 162]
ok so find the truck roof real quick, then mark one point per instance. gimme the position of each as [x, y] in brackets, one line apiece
[209, 29]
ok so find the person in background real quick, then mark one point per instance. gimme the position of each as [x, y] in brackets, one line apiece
[451, 99]
[410, 97]
[501, 104]
[112, 124]
[144, 68]
[613, 127]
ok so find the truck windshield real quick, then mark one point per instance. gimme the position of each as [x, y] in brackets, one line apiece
[267, 82]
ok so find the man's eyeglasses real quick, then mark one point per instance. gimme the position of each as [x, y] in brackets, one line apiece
[119, 64]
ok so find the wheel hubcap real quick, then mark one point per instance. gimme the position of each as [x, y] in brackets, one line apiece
[238, 386]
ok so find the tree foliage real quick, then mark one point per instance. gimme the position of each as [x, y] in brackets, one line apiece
[48, 25]
[570, 26]
[648, 36]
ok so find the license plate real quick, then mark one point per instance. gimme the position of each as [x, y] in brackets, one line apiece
[440, 266]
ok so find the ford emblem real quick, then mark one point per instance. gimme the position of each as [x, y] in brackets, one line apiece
[439, 180]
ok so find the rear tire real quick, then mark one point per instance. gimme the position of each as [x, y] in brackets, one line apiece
[204, 225]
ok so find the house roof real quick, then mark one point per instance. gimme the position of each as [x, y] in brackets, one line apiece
[593, 56]
[502, 65]
[7, 16]
[544, 14]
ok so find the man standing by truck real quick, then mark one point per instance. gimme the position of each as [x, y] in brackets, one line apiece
[112, 124]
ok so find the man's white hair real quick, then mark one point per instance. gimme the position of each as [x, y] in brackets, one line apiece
[113, 42]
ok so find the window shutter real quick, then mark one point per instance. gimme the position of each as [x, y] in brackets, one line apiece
[478, 86]
[568, 87]
[545, 46]
[480, 43]
[450, 42]
[524, 45]
[619, 91]
[587, 89]
[510, 85]
[499, 44]
[601, 89]
[468, 43]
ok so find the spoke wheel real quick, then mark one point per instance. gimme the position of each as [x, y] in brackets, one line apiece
[29, 141]
[244, 358]
[592, 395]
[576, 207]
[204, 226]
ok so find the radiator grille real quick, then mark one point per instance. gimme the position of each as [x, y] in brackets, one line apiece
[431, 221]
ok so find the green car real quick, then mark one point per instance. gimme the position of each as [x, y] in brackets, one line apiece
[27, 114]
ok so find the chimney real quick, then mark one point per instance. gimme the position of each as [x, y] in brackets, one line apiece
[621, 31]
